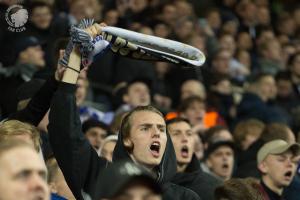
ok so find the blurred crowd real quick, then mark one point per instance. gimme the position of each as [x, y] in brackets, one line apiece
[224, 118]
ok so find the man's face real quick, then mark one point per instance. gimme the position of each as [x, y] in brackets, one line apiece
[138, 95]
[221, 62]
[148, 136]
[96, 135]
[268, 87]
[279, 169]
[195, 113]
[41, 17]
[192, 88]
[23, 175]
[183, 141]
[221, 162]
[138, 192]
[33, 55]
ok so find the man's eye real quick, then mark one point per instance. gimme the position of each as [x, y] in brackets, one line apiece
[23, 175]
[144, 129]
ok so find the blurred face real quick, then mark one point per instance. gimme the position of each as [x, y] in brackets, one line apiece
[244, 58]
[96, 135]
[79, 9]
[192, 88]
[295, 68]
[138, 95]
[195, 113]
[227, 42]
[268, 87]
[41, 17]
[274, 50]
[33, 55]
[61, 188]
[111, 18]
[137, 192]
[284, 88]
[184, 30]
[266, 35]
[221, 62]
[169, 14]
[221, 162]
[223, 87]
[244, 41]
[279, 170]
[161, 30]
[149, 138]
[214, 20]
[23, 175]
[108, 149]
[263, 16]
[183, 141]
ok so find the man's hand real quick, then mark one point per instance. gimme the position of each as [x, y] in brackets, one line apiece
[95, 29]
[60, 69]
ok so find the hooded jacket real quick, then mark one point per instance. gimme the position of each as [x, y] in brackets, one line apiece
[198, 181]
[165, 171]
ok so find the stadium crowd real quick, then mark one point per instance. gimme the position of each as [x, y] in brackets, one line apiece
[133, 129]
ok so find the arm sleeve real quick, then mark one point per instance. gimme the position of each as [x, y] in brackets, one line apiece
[78, 161]
[38, 105]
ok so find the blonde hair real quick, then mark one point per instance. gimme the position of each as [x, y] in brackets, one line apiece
[14, 127]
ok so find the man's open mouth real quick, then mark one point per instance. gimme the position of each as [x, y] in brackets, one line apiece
[288, 174]
[154, 148]
[184, 151]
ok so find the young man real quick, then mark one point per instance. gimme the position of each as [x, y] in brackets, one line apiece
[189, 173]
[142, 139]
[277, 161]
[23, 174]
[219, 158]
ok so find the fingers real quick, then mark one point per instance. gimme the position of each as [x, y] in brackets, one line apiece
[61, 53]
[95, 29]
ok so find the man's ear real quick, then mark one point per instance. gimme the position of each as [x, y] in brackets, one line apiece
[262, 167]
[125, 98]
[128, 143]
[53, 188]
[208, 163]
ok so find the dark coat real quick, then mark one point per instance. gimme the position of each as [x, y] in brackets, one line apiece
[252, 106]
[165, 171]
[197, 180]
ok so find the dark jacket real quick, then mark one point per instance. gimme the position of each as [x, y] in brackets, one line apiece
[252, 106]
[165, 171]
[195, 179]
[76, 158]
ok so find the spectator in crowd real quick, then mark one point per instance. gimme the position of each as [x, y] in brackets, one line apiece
[219, 159]
[247, 132]
[277, 163]
[189, 173]
[192, 88]
[57, 183]
[23, 173]
[14, 129]
[129, 181]
[239, 189]
[247, 159]
[65, 133]
[108, 146]
[95, 131]
[30, 60]
[216, 133]
[294, 68]
[137, 93]
[254, 103]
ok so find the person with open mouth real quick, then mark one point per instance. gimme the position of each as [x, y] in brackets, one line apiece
[189, 173]
[277, 162]
[219, 158]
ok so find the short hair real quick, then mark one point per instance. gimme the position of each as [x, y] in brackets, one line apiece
[186, 103]
[247, 127]
[9, 144]
[15, 127]
[239, 189]
[210, 134]
[126, 122]
[36, 4]
[275, 131]
[177, 120]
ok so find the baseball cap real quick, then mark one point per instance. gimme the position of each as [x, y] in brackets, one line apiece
[215, 145]
[276, 147]
[117, 176]
[91, 123]
[25, 42]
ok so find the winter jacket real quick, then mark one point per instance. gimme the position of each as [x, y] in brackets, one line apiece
[197, 180]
